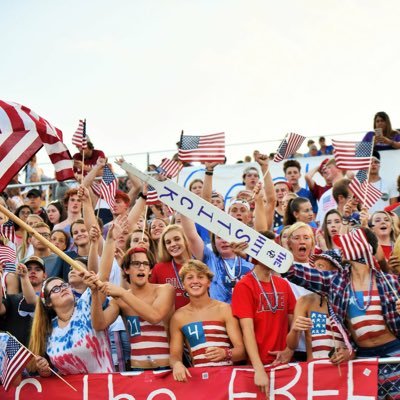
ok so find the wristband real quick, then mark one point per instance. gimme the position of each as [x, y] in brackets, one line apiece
[228, 354]
[249, 258]
[143, 196]
[209, 173]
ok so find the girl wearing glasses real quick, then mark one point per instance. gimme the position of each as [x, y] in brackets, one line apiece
[63, 335]
[146, 307]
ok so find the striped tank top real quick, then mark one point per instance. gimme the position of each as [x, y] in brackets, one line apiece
[324, 335]
[203, 334]
[367, 323]
[148, 341]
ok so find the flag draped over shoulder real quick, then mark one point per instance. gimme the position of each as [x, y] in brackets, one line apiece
[169, 168]
[15, 359]
[288, 147]
[207, 148]
[108, 186]
[22, 134]
[352, 155]
[363, 190]
[79, 138]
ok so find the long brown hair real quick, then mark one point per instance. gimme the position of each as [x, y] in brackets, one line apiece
[41, 324]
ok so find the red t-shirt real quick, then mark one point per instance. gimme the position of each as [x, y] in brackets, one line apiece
[317, 191]
[270, 328]
[164, 273]
[91, 161]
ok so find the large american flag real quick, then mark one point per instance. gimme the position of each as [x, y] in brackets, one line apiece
[22, 134]
[352, 155]
[108, 186]
[169, 168]
[207, 148]
[288, 147]
[79, 138]
[354, 245]
[15, 359]
[365, 192]
[8, 230]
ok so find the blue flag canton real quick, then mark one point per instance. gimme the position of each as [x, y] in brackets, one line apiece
[319, 323]
[362, 175]
[364, 149]
[12, 347]
[282, 148]
[108, 176]
[194, 333]
[190, 142]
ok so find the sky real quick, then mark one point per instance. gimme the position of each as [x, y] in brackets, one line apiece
[142, 71]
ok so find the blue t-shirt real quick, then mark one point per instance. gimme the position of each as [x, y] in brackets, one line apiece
[222, 285]
[203, 233]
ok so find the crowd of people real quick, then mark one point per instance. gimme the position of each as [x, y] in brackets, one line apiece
[158, 291]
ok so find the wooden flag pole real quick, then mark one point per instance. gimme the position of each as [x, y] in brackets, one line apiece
[34, 355]
[39, 237]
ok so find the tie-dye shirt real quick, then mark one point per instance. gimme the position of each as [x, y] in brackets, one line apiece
[78, 348]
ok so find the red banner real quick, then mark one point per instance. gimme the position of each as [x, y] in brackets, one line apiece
[316, 380]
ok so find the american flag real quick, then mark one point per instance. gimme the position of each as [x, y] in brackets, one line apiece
[15, 359]
[169, 168]
[354, 245]
[352, 155]
[202, 335]
[288, 147]
[8, 230]
[108, 186]
[152, 196]
[7, 255]
[79, 138]
[22, 134]
[207, 148]
[363, 190]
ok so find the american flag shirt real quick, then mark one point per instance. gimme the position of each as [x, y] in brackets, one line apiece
[203, 334]
[336, 285]
[369, 323]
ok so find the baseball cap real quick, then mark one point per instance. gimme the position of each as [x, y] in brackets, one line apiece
[34, 193]
[36, 260]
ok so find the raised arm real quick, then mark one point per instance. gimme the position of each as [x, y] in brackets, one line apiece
[207, 181]
[196, 242]
[95, 172]
[27, 289]
[136, 182]
[101, 319]
[309, 177]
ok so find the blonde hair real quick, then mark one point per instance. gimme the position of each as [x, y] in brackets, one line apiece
[163, 255]
[296, 226]
[196, 266]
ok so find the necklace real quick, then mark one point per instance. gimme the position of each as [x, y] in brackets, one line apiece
[178, 279]
[230, 271]
[272, 308]
[67, 319]
[363, 306]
